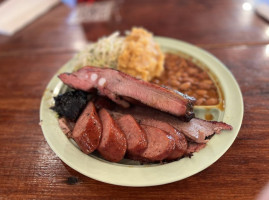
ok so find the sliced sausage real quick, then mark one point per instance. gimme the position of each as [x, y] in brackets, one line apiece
[88, 129]
[135, 135]
[180, 140]
[113, 143]
[160, 145]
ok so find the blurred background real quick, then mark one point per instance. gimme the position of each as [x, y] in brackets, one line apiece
[70, 24]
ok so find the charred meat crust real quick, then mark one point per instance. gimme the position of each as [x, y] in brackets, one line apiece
[189, 112]
[70, 104]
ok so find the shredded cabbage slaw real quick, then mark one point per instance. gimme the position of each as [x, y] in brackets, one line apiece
[103, 53]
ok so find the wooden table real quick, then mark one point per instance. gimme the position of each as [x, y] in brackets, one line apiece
[29, 169]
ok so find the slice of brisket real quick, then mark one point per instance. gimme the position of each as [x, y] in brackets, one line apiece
[66, 126]
[197, 130]
[117, 86]
[194, 147]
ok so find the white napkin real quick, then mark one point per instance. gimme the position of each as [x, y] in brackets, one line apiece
[16, 14]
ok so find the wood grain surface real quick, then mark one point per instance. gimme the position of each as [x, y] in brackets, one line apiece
[29, 169]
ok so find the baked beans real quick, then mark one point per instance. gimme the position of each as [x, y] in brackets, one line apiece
[185, 76]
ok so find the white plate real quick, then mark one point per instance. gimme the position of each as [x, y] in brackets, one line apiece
[147, 175]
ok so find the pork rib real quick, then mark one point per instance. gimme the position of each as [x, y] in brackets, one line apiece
[117, 85]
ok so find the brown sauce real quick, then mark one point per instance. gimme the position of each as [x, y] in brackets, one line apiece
[209, 116]
[185, 76]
